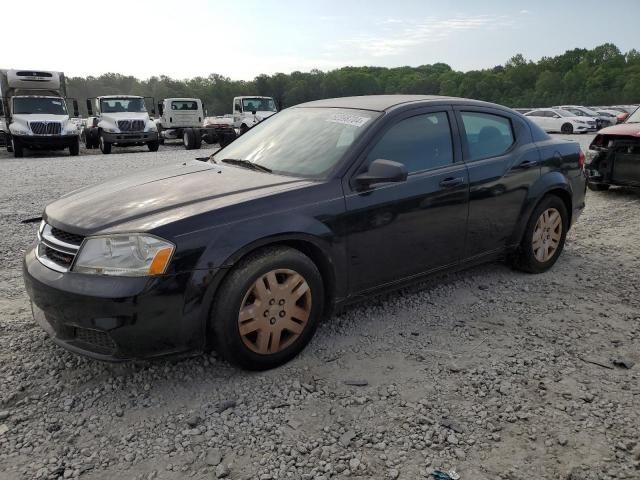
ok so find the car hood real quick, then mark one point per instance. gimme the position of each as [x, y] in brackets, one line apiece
[626, 129]
[150, 199]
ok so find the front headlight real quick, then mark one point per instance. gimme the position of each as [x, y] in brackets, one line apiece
[19, 130]
[134, 255]
[110, 129]
[580, 121]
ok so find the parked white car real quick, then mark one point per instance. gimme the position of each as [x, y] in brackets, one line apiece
[602, 121]
[558, 120]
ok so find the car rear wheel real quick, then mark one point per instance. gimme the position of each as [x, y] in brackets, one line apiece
[567, 128]
[74, 148]
[544, 237]
[267, 308]
[153, 146]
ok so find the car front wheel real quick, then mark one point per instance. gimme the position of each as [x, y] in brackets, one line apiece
[267, 308]
[544, 237]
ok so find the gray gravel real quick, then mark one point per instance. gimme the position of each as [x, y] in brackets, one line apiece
[491, 372]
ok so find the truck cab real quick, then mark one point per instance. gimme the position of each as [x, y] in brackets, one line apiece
[120, 120]
[34, 113]
[249, 111]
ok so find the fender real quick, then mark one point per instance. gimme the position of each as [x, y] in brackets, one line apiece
[552, 181]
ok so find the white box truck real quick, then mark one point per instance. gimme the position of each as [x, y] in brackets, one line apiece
[34, 114]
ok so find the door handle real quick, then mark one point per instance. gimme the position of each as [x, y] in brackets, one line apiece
[526, 164]
[452, 182]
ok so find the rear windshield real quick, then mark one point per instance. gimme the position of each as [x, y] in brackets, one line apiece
[184, 105]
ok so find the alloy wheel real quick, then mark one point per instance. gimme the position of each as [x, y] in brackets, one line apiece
[547, 234]
[274, 311]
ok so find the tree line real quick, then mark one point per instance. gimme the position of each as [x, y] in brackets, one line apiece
[600, 76]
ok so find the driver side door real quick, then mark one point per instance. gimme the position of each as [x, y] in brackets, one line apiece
[396, 231]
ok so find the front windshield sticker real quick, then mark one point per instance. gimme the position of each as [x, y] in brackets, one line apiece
[348, 119]
[56, 102]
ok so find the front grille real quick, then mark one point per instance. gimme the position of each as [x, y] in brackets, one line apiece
[131, 125]
[61, 258]
[66, 236]
[46, 128]
[57, 249]
[97, 340]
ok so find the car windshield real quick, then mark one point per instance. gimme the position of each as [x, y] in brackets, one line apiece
[634, 117]
[258, 105]
[300, 141]
[118, 105]
[34, 105]
[184, 105]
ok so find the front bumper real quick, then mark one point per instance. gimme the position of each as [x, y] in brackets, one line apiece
[46, 141]
[114, 318]
[130, 138]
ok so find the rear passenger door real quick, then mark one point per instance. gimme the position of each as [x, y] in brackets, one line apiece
[503, 163]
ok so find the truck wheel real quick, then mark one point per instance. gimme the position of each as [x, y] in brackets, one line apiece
[567, 128]
[18, 151]
[188, 138]
[105, 147]
[153, 146]
[9, 145]
[243, 129]
[74, 147]
[197, 139]
[209, 138]
[160, 137]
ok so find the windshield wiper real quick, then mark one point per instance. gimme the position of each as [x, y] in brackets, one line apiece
[246, 164]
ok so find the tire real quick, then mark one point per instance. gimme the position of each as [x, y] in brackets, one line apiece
[566, 128]
[90, 138]
[105, 147]
[74, 148]
[598, 187]
[153, 146]
[9, 145]
[239, 290]
[160, 137]
[18, 149]
[535, 254]
[209, 138]
[243, 129]
[188, 138]
[197, 139]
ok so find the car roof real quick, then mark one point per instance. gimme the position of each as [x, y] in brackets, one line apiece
[380, 103]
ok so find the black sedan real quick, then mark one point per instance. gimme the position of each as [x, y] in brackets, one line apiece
[320, 205]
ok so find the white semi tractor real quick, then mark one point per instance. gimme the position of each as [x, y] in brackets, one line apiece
[120, 120]
[34, 113]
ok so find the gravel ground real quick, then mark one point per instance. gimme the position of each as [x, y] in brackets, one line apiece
[491, 372]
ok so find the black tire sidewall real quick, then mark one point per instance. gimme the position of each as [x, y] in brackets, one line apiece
[527, 260]
[224, 316]
[568, 130]
[105, 147]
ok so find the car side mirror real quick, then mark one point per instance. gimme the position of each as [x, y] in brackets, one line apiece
[382, 171]
[160, 109]
[556, 116]
[76, 110]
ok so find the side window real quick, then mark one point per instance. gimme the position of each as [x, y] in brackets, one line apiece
[422, 142]
[487, 135]
[535, 113]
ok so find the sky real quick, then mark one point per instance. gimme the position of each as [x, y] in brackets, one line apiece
[244, 38]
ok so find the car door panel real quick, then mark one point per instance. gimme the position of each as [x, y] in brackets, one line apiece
[399, 230]
[498, 188]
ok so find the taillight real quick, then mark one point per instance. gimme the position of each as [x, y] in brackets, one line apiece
[581, 159]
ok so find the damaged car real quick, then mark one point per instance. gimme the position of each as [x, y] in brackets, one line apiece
[615, 155]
